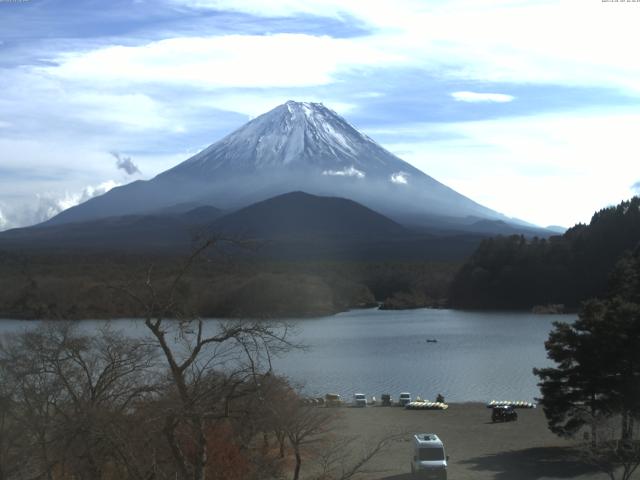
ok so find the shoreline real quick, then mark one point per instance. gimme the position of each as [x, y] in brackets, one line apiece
[301, 316]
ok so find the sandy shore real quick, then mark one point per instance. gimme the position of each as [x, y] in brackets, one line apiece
[478, 448]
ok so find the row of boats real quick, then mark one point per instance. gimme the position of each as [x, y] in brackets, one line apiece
[510, 403]
[405, 400]
[425, 405]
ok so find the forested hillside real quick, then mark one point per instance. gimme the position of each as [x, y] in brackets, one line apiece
[82, 286]
[514, 272]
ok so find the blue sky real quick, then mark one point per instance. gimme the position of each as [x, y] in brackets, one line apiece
[531, 108]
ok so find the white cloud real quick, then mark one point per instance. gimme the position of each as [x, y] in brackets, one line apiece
[345, 172]
[3, 221]
[46, 205]
[532, 41]
[474, 97]
[132, 111]
[400, 178]
[369, 95]
[90, 191]
[40, 160]
[371, 11]
[50, 205]
[546, 169]
[497, 41]
[226, 61]
[559, 42]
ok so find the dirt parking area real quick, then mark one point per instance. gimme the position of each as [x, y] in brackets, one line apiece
[478, 449]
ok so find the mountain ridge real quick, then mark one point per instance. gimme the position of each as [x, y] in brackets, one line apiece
[298, 214]
[293, 226]
[295, 146]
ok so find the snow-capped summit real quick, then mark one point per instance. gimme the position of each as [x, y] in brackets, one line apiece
[297, 146]
[296, 135]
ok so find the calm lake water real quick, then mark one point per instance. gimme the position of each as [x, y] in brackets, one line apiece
[478, 356]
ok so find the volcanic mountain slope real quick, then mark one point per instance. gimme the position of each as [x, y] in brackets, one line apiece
[298, 215]
[295, 146]
[295, 216]
[161, 230]
[293, 226]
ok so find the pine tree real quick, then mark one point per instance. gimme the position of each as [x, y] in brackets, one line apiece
[597, 376]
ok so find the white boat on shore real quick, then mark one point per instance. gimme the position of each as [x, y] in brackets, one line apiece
[511, 403]
[426, 405]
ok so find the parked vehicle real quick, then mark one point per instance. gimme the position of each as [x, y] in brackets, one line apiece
[503, 413]
[429, 460]
[386, 400]
[359, 400]
[404, 399]
[332, 400]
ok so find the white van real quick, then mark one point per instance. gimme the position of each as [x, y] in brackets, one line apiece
[359, 400]
[404, 399]
[429, 460]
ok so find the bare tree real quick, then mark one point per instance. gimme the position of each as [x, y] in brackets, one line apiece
[278, 398]
[306, 426]
[9, 434]
[311, 431]
[193, 400]
[73, 394]
[236, 351]
[618, 458]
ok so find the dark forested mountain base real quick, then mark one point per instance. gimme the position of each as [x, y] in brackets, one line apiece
[82, 286]
[513, 272]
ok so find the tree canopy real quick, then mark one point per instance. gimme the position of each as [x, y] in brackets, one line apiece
[515, 272]
[598, 360]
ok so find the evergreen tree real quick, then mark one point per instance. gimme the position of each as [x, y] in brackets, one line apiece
[576, 392]
[598, 360]
[514, 272]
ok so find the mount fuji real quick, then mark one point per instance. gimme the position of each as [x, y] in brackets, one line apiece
[297, 146]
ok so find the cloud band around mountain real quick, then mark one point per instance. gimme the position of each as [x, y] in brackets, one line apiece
[345, 172]
[400, 178]
[48, 205]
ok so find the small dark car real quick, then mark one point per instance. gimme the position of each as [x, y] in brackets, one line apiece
[386, 400]
[503, 413]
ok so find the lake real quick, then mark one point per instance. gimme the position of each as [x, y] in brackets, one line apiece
[478, 356]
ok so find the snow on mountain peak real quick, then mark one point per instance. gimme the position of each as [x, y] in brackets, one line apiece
[296, 135]
[296, 146]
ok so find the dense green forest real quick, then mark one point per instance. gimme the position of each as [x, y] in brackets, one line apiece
[87, 285]
[511, 272]
[518, 273]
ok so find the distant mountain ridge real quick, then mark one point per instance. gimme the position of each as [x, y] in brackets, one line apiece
[291, 216]
[292, 226]
[296, 146]
[298, 215]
